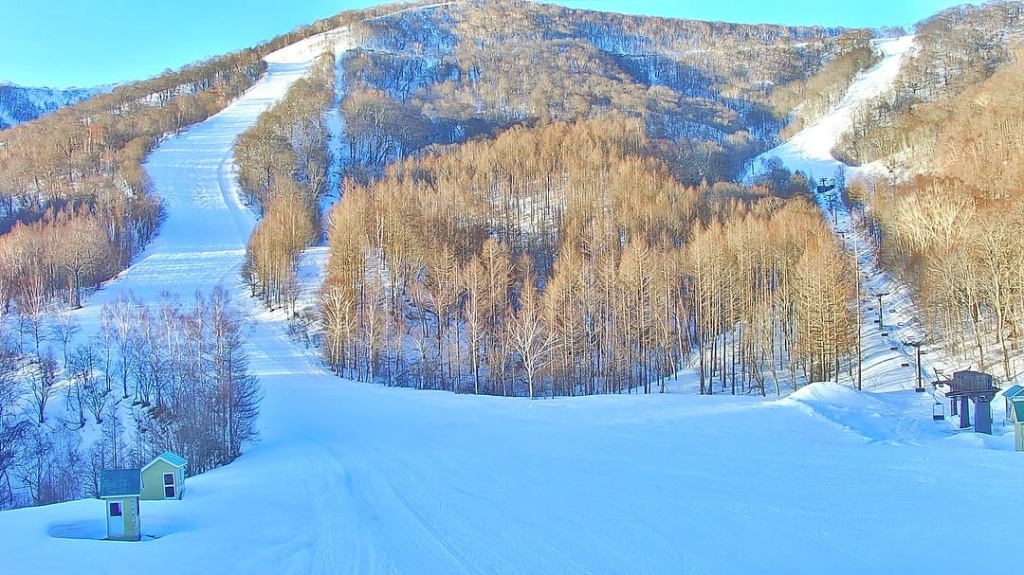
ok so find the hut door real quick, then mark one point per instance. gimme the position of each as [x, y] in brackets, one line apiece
[169, 486]
[115, 519]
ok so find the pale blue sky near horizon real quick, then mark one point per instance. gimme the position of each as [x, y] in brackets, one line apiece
[86, 43]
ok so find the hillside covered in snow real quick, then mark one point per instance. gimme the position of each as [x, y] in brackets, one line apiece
[402, 316]
[19, 104]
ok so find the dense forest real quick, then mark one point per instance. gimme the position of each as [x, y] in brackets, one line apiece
[568, 260]
[284, 165]
[586, 239]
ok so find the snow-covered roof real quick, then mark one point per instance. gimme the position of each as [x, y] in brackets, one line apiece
[120, 482]
[170, 457]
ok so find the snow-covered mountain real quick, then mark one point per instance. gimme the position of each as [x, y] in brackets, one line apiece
[352, 478]
[19, 104]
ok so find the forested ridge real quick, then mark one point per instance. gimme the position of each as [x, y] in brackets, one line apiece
[19, 104]
[77, 173]
[587, 239]
[567, 260]
[284, 164]
[475, 68]
[949, 214]
[957, 50]
[662, 132]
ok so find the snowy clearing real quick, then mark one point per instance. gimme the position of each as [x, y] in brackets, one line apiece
[364, 479]
[354, 478]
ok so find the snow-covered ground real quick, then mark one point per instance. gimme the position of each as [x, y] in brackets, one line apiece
[364, 479]
[353, 478]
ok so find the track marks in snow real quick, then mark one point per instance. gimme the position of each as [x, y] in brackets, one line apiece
[337, 543]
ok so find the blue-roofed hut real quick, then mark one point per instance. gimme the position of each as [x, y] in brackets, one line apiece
[119, 490]
[1014, 391]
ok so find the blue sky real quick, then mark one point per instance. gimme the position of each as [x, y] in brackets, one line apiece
[91, 42]
[852, 14]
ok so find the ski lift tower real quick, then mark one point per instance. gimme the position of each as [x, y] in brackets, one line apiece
[916, 344]
[977, 387]
[881, 315]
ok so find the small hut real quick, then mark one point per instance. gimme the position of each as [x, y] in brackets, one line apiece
[1008, 395]
[164, 477]
[1018, 422]
[119, 490]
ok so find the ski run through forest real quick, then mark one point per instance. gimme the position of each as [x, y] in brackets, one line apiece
[357, 478]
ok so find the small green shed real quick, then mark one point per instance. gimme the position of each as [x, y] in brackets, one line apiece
[119, 490]
[164, 477]
[1008, 395]
[1018, 421]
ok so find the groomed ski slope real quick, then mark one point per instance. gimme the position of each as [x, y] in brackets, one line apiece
[810, 150]
[365, 479]
[353, 478]
[202, 242]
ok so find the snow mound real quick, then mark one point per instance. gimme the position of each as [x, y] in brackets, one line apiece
[874, 417]
[834, 394]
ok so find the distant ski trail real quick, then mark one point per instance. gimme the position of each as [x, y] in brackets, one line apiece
[810, 151]
[202, 242]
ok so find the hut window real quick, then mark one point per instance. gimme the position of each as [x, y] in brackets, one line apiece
[115, 508]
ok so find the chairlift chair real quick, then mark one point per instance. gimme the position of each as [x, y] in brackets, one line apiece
[938, 413]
